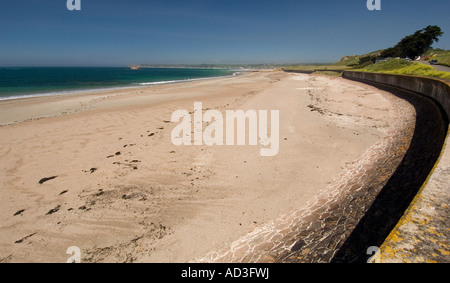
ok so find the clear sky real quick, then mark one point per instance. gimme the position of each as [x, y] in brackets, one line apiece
[123, 32]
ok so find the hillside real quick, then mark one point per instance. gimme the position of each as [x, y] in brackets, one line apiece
[391, 66]
[354, 60]
[404, 67]
[441, 55]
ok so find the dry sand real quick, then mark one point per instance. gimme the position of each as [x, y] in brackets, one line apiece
[123, 192]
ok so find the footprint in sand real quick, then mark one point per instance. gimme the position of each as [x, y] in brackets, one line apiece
[19, 212]
[92, 170]
[43, 180]
[51, 211]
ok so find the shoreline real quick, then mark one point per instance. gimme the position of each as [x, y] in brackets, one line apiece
[112, 88]
[114, 185]
[71, 98]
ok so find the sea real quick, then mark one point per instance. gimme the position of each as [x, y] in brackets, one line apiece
[18, 82]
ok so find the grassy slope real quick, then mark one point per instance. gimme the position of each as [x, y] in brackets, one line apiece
[394, 66]
[353, 60]
[315, 67]
[403, 67]
[441, 55]
[346, 63]
[444, 59]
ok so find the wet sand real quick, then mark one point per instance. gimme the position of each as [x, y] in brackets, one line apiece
[99, 170]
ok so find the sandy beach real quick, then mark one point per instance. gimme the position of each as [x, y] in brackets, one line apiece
[99, 170]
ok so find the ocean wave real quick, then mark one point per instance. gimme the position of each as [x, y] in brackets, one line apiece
[84, 91]
[63, 92]
[162, 82]
[182, 80]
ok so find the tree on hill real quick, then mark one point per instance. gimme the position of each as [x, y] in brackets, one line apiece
[416, 44]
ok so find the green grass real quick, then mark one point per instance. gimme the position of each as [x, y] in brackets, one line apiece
[444, 59]
[403, 67]
[390, 65]
[394, 66]
[355, 60]
[441, 55]
[432, 52]
[316, 67]
[352, 60]
[329, 70]
[329, 73]
[346, 63]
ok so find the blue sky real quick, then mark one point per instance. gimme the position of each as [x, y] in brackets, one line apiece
[118, 33]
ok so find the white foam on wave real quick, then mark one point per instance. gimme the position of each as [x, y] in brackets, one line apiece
[84, 91]
[185, 80]
[64, 92]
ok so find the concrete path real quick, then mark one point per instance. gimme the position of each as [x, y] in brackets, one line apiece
[437, 67]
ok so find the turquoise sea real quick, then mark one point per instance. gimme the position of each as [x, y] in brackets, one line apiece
[40, 81]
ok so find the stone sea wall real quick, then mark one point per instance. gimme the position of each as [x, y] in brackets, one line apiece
[391, 206]
[432, 88]
[422, 234]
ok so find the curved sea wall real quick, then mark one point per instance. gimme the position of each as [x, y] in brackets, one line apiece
[433, 88]
[388, 202]
[409, 220]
